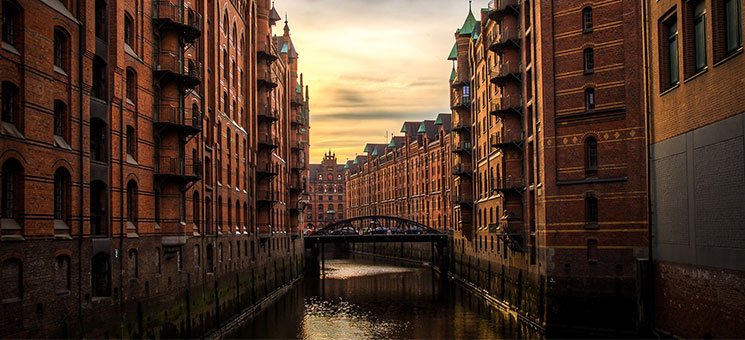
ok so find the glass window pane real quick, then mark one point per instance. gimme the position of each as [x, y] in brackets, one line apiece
[732, 17]
[700, 42]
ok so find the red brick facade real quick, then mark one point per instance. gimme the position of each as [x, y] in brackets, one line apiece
[325, 193]
[146, 155]
[409, 178]
[551, 211]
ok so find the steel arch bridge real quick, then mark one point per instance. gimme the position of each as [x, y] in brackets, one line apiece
[375, 229]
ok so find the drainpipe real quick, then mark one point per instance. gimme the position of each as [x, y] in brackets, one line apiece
[648, 138]
[123, 222]
[81, 55]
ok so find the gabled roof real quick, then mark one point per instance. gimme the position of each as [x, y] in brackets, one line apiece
[397, 142]
[444, 121]
[410, 129]
[468, 25]
[375, 149]
[454, 52]
[429, 128]
[453, 74]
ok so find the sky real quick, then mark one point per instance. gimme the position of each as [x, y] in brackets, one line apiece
[371, 65]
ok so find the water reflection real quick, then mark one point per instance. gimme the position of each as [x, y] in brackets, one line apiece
[363, 299]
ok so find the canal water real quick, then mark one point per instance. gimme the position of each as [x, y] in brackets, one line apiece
[363, 298]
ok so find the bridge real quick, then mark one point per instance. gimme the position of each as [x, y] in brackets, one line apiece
[375, 229]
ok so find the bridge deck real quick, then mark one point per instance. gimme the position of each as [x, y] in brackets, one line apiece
[311, 240]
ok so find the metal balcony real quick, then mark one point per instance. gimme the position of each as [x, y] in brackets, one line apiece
[267, 80]
[506, 104]
[462, 170]
[266, 170]
[462, 126]
[507, 138]
[509, 184]
[298, 163]
[170, 67]
[507, 36]
[509, 232]
[460, 102]
[463, 200]
[297, 119]
[268, 140]
[267, 53]
[169, 116]
[506, 71]
[296, 185]
[178, 169]
[268, 113]
[298, 145]
[499, 8]
[266, 197]
[462, 147]
[170, 14]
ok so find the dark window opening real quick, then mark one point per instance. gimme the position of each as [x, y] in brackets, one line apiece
[587, 19]
[128, 30]
[591, 208]
[61, 194]
[12, 190]
[591, 149]
[11, 22]
[60, 119]
[101, 275]
[101, 20]
[11, 104]
[589, 60]
[60, 49]
[590, 99]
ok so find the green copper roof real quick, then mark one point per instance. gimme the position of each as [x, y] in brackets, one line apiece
[284, 48]
[298, 88]
[403, 128]
[375, 152]
[422, 129]
[439, 120]
[346, 166]
[454, 52]
[453, 74]
[392, 143]
[356, 162]
[468, 25]
[475, 35]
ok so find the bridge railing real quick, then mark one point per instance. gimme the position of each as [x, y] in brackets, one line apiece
[375, 225]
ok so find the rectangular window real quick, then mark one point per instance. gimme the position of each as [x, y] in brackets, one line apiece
[732, 17]
[670, 65]
[699, 35]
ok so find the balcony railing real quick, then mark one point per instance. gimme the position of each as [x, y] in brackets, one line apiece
[462, 169]
[506, 137]
[268, 112]
[498, 8]
[267, 79]
[463, 199]
[462, 147]
[179, 167]
[462, 125]
[267, 52]
[171, 12]
[505, 36]
[508, 183]
[461, 101]
[266, 169]
[506, 70]
[171, 65]
[177, 116]
[500, 105]
[269, 140]
[266, 196]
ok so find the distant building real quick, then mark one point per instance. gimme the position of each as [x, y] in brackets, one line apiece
[325, 192]
[409, 177]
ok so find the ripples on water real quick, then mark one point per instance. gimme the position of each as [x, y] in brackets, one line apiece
[362, 299]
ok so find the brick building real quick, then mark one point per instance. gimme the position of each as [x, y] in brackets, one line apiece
[177, 126]
[549, 143]
[697, 165]
[409, 177]
[325, 193]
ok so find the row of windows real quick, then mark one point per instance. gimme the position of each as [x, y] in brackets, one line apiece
[725, 28]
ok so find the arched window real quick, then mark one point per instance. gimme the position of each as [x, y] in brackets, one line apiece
[129, 30]
[60, 119]
[12, 194]
[98, 140]
[132, 202]
[11, 104]
[101, 275]
[237, 215]
[60, 49]
[589, 60]
[587, 19]
[99, 88]
[101, 19]
[210, 258]
[195, 209]
[591, 154]
[11, 286]
[61, 196]
[131, 142]
[590, 99]
[12, 22]
[591, 211]
[133, 264]
[98, 204]
[219, 213]
[131, 90]
[62, 274]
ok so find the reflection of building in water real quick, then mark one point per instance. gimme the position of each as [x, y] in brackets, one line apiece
[326, 192]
